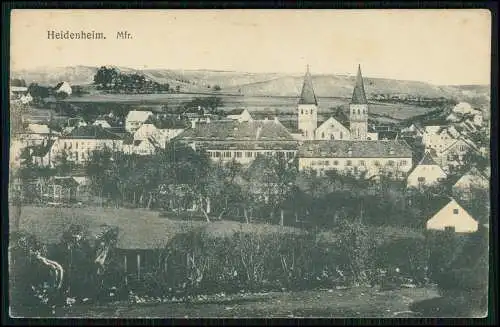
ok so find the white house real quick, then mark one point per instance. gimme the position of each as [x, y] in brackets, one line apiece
[20, 94]
[63, 87]
[240, 115]
[426, 173]
[453, 217]
[160, 135]
[135, 119]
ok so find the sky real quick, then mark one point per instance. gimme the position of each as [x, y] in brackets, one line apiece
[443, 47]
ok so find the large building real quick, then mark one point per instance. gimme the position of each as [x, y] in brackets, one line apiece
[373, 158]
[332, 129]
[240, 141]
[79, 144]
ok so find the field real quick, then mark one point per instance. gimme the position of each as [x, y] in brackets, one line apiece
[259, 106]
[331, 303]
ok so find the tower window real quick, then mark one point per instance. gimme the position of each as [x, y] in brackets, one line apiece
[455, 211]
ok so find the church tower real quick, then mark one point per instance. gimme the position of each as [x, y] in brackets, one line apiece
[308, 108]
[358, 109]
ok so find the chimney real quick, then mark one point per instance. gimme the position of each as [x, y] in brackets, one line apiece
[208, 119]
[265, 119]
[276, 120]
[193, 123]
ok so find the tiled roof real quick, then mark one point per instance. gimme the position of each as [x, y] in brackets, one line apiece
[257, 130]
[92, 132]
[307, 96]
[358, 95]
[354, 149]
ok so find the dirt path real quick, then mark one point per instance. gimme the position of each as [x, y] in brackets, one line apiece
[325, 303]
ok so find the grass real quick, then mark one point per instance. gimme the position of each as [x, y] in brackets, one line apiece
[348, 303]
[139, 228]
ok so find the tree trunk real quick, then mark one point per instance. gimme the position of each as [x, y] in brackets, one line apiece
[150, 200]
[246, 215]
[208, 205]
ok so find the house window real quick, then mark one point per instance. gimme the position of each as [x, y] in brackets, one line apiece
[391, 163]
[302, 111]
[332, 137]
[361, 162]
[376, 163]
[323, 135]
[348, 163]
[341, 136]
[335, 162]
[248, 154]
[76, 145]
[238, 154]
[227, 154]
[449, 229]
[455, 211]
[217, 154]
[402, 162]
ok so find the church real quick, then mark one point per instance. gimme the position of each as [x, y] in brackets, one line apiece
[332, 129]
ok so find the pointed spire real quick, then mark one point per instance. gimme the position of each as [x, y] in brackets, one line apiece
[307, 96]
[358, 95]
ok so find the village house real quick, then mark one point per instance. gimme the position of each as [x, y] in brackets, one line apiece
[20, 94]
[454, 156]
[471, 180]
[79, 144]
[426, 173]
[135, 119]
[62, 189]
[142, 147]
[241, 115]
[332, 129]
[374, 158]
[241, 141]
[437, 138]
[453, 217]
[149, 131]
[36, 134]
[63, 87]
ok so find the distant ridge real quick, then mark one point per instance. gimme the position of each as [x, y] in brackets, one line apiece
[260, 84]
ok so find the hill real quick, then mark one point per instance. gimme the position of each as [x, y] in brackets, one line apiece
[263, 84]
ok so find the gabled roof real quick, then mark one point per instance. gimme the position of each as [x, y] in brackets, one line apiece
[358, 95]
[354, 149]
[427, 160]
[474, 172]
[463, 140]
[92, 132]
[307, 96]
[256, 130]
[38, 128]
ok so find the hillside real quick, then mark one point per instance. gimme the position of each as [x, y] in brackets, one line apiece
[263, 84]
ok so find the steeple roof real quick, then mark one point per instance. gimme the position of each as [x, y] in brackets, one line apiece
[307, 96]
[358, 95]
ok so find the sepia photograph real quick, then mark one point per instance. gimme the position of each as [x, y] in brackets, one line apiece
[249, 163]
